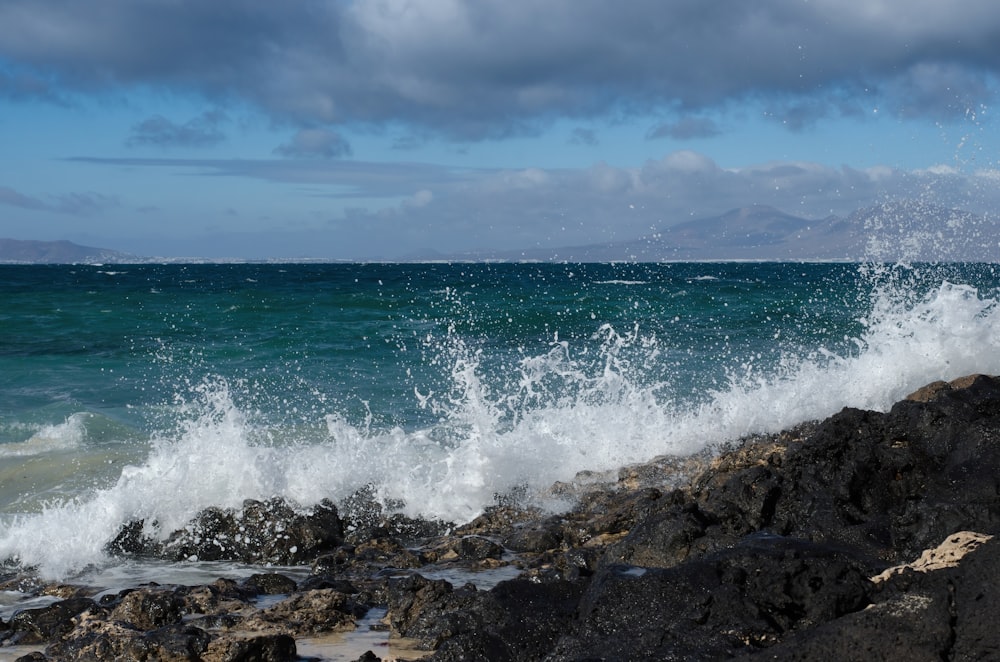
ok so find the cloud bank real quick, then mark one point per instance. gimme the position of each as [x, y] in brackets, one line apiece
[492, 68]
[407, 208]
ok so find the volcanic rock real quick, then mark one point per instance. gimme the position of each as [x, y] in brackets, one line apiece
[33, 626]
[868, 535]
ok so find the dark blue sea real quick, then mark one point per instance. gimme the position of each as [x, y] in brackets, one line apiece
[151, 392]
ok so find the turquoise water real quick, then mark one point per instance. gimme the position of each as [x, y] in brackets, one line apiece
[153, 391]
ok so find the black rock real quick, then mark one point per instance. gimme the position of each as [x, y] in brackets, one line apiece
[478, 548]
[516, 620]
[258, 648]
[943, 614]
[269, 532]
[149, 608]
[34, 626]
[32, 657]
[112, 640]
[271, 583]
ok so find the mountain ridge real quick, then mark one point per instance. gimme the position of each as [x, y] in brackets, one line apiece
[26, 251]
[887, 231]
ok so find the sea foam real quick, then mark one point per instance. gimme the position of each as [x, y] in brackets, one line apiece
[559, 411]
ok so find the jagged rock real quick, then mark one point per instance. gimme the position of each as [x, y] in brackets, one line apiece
[774, 540]
[271, 583]
[535, 536]
[311, 612]
[714, 607]
[880, 483]
[34, 656]
[824, 541]
[95, 638]
[334, 562]
[366, 518]
[223, 596]
[315, 582]
[505, 623]
[676, 531]
[149, 608]
[478, 548]
[263, 532]
[472, 548]
[132, 540]
[920, 612]
[388, 552]
[256, 648]
[606, 515]
[35, 626]
[415, 603]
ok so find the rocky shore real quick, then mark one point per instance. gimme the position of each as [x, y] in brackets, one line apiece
[867, 536]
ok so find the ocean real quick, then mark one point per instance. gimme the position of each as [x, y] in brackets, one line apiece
[151, 392]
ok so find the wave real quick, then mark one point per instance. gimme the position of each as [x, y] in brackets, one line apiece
[618, 281]
[557, 412]
[63, 436]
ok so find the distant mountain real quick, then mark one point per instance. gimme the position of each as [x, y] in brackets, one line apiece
[887, 231]
[57, 252]
[757, 232]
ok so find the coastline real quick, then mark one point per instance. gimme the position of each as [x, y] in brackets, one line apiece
[783, 546]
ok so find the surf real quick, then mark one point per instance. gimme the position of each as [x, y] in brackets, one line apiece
[497, 425]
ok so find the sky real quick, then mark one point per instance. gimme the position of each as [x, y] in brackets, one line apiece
[383, 129]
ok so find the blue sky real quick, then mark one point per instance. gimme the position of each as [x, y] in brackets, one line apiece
[380, 129]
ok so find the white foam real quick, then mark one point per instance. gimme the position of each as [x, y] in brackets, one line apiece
[558, 413]
[63, 436]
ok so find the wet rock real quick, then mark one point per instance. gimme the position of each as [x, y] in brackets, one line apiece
[670, 535]
[32, 657]
[338, 560]
[606, 515]
[325, 581]
[388, 552]
[865, 536]
[34, 626]
[935, 611]
[149, 609]
[365, 518]
[716, 606]
[499, 521]
[418, 606]
[539, 536]
[100, 639]
[775, 538]
[478, 548]
[311, 612]
[505, 623]
[271, 583]
[221, 597]
[262, 533]
[132, 540]
[256, 648]
[468, 548]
